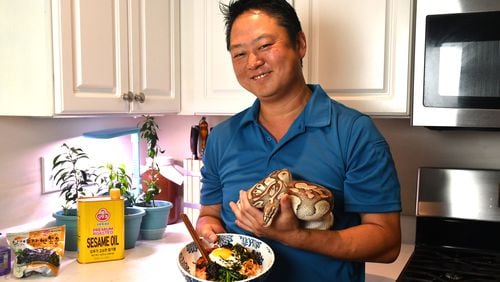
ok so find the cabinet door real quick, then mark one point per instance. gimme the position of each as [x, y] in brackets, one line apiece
[26, 85]
[359, 51]
[209, 85]
[154, 49]
[90, 56]
[105, 48]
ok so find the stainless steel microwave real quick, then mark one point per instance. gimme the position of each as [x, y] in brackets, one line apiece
[456, 76]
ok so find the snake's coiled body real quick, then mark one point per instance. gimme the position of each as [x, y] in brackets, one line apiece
[312, 203]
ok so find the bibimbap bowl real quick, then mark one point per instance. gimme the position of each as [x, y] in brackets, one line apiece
[189, 255]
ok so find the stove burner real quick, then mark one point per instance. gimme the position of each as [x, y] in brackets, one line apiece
[453, 276]
[449, 264]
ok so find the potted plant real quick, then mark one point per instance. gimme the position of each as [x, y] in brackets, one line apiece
[112, 176]
[75, 178]
[157, 211]
[116, 177]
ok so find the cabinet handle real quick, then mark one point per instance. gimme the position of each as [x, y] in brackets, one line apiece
[129, 96]
[140, 97]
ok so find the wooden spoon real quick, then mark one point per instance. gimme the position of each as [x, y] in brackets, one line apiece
[195, 237]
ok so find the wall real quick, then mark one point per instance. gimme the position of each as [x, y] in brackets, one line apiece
[413, 147]
[25, 140]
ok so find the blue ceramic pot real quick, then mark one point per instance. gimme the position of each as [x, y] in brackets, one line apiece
[154, 222]
[133, 219]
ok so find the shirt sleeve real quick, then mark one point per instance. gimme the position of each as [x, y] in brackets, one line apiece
[211, 189]
[371, 183]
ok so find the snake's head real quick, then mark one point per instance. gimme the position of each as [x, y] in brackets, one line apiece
[270, 210]
[266, 194]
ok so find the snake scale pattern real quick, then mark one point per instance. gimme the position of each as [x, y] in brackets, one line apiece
[312, 203]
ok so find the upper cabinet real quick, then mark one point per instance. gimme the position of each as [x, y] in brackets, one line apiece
[26, 75]
[209, 85]
[359, 51]
[106, 57]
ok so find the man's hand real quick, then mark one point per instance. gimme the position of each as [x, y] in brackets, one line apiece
[251, 219]
[209, 223]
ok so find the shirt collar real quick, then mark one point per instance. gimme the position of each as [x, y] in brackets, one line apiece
[316, 113]
[251, 114]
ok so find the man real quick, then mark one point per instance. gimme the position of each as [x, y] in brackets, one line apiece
[297, 126]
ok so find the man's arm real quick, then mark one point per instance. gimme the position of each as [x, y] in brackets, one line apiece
[376, 239]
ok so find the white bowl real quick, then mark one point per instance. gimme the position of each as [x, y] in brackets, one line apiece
[189, 254]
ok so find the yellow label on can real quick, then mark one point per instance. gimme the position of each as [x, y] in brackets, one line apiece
[101, 234]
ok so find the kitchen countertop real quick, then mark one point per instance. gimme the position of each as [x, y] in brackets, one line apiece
[385, 272]
[150, 260]
[156, 260]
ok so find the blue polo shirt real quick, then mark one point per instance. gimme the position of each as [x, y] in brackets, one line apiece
[328, 144]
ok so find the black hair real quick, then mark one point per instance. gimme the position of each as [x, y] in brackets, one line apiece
[281, 10]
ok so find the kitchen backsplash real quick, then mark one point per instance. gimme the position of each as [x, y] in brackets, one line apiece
[25, 140]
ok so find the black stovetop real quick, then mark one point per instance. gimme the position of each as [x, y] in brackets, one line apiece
[449, 264]
[454, 250]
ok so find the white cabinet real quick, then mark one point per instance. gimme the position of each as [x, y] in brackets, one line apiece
[26, 73]
[359, 51]
[209, 85]
[113, 49]
[101, 52]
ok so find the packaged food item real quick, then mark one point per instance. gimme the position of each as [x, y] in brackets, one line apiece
[5, 260]
[38, 251]
[101, 233]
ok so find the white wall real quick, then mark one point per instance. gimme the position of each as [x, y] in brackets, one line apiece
[25, 140]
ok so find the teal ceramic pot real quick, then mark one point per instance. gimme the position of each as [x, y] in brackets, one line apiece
[70, 221]
[133, 219]
[152, 234]
[154, 222]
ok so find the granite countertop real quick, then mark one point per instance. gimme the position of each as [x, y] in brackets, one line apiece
[156, 260]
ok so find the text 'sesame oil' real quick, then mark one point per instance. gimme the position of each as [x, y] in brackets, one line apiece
[101, 235]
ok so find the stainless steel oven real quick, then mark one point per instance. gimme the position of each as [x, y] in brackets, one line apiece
[456, 77]
[457, 226]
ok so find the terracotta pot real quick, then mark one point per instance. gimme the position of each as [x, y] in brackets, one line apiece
[170, 191]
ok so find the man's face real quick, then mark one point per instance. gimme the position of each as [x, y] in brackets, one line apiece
[264, 60]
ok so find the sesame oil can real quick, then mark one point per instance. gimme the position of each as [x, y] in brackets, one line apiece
[100, 225]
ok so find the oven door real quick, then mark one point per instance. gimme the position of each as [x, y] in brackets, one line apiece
[457, 63]
[462, 61]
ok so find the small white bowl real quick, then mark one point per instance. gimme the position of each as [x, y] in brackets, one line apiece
[189, 254]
